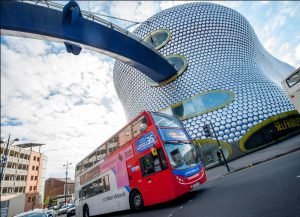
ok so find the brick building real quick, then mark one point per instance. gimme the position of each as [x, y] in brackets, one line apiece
[55, 188]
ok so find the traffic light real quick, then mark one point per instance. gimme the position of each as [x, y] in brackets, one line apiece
[206, 130]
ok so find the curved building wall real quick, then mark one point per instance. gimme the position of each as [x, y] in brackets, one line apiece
[224, 54]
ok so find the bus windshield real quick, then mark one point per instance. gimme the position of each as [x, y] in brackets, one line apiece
[182, 155]
[163, 120]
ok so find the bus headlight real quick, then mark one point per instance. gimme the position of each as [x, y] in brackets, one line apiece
[179, 179]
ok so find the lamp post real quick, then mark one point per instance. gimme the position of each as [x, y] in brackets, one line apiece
[4, 156]
[208, 134]
[66, 165]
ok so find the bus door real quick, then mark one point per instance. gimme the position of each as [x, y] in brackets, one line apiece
[155, 180]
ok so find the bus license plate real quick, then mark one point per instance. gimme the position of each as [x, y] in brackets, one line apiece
[196, 185]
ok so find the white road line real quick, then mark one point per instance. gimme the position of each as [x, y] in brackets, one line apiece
[170, 215]
[180, 207]
[190, 201]
[298, 176]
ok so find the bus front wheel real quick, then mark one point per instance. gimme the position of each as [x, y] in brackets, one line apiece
[136, 201]
[86, 212]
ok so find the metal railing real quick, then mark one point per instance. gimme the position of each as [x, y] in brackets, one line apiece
[90, 16]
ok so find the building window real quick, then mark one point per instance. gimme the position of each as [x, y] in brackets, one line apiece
[200, 104]
[30, 188]
[28, 199]
[38, 159]
[31, 178]
[35, 178]
[37, 168]
[34, 188]
[34, 158]
[179, 62]
[158, 38]
[33, 167]
[294, 79]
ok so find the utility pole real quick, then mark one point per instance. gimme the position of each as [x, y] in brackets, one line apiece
[207, 132]
[66, 183]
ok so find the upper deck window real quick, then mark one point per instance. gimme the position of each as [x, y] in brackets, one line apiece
[163, 120]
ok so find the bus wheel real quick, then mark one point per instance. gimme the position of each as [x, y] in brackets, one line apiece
[136, 201]
[86, 212]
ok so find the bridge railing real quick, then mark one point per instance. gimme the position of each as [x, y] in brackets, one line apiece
[90, 16]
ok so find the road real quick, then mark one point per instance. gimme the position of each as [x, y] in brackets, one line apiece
[271, 189]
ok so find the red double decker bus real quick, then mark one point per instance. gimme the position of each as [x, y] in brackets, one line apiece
[151, 160]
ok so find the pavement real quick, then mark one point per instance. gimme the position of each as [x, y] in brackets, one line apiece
[274, 151]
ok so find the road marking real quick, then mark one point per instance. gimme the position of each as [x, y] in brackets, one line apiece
[180, 207]
[170, 215]
[298, 176]
[190, 201]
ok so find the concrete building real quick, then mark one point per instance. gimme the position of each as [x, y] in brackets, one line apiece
[225, 76]
[23, 174]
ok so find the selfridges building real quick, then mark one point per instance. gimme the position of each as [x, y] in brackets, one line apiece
[225, 77]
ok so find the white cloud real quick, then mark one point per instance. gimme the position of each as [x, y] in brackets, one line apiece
[297, 52]
[75, 119]
[134, 10]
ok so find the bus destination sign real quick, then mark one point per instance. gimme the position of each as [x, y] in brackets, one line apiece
[145, 142]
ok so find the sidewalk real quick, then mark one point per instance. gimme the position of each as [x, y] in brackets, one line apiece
[269, 153]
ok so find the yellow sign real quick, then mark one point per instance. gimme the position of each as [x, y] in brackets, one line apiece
[286, 124]
[154, 151]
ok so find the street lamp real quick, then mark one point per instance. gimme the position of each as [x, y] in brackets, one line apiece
[66, 165]
[207, 132]
[4, 156]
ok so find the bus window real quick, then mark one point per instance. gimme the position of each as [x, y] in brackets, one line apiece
[85, 164]
[97, 187]
[164, 120]
[92, 159]
[112, 144]
[78, 168]
[101, 152]
[106, 183]
[125, 135]
[162, 159]
[139, 126]
[151, 164]
[80, 194]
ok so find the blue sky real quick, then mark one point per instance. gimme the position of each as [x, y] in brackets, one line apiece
[69, 103]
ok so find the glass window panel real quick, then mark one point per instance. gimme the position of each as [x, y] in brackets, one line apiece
[101, 152]
[139, 126]
[106, 183]
[163, 120]
[198, 104]
[158, 38]
[294, 79]
[113, 144]
[188, 108]
[201, 103]
[125, 135]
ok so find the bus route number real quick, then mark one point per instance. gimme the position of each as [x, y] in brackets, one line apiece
[145, 142]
